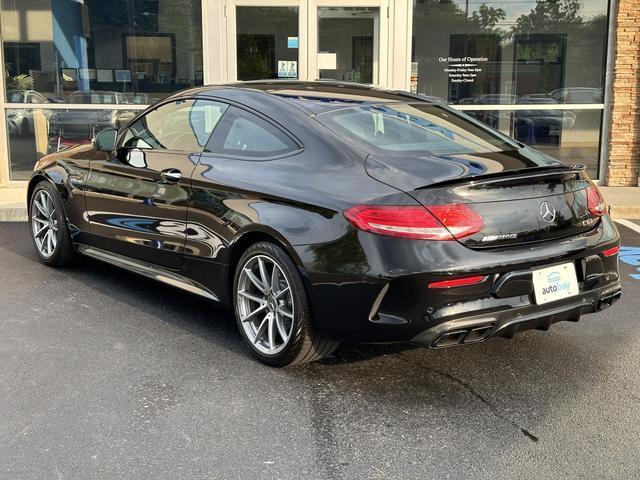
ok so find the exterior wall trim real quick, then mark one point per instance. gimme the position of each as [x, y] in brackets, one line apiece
[605, 132]
[4, 140]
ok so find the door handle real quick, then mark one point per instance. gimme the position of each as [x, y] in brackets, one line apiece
[171, 175]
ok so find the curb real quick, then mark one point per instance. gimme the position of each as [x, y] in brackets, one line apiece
[631, 212]
[16, 214]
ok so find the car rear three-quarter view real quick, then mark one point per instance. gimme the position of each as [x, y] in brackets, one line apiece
[324, 212]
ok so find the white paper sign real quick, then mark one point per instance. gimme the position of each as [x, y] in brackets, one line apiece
[287, 69]
[327, 61]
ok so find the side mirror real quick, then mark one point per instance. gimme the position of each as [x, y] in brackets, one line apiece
[106, 140]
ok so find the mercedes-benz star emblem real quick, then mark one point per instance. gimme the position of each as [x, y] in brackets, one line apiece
[547, 212]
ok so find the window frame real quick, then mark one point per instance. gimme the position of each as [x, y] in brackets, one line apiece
[125, 128]
[295, 140]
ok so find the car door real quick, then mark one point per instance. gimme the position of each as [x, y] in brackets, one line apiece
[225, 189]
[137, 198]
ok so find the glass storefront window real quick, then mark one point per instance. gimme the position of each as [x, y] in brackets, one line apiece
[93, 51]
[497, 52]
[267, 42]
[33, 133]
[571, 136]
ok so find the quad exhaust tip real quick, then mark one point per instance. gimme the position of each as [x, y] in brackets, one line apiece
[608, 300]
[463, 336]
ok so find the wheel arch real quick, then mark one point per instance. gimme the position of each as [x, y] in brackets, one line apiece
[60, 187]
[35, 179]
[249, 237]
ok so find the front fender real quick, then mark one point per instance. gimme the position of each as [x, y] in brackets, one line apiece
[67, 172]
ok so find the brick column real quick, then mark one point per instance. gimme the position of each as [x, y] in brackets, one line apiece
[624, 139]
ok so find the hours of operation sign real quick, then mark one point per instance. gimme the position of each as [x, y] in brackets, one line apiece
[463, 69]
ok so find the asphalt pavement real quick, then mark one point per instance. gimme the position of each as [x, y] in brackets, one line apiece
[107, 375]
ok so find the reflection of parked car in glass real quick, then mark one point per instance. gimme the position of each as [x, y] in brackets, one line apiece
[577, 95]
[490, 98]
[20, 121]
[96, 96]
[541, 126]
[79, 126]
[138, 98]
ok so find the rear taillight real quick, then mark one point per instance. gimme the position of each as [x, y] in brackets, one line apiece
[438, 222]
[610, 252]
[595, 202]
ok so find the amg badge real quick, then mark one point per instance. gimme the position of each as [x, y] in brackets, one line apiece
[500, 236]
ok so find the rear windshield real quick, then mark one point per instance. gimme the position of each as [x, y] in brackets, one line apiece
[414, 128]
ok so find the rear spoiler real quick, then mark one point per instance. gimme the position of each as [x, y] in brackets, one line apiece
[515, 176]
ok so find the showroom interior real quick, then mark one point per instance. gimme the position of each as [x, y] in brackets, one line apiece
[543, 72]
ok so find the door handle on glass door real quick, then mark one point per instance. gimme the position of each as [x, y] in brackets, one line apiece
[171, 175]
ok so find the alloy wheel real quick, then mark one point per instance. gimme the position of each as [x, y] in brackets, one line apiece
[265, 304]
[44, 224]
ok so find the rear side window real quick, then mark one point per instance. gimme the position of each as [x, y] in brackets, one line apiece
[413, 128]
[243, 134]
[184, 125]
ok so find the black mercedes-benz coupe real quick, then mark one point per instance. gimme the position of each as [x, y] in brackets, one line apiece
[326, 212]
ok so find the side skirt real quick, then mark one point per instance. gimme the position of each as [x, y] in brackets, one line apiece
[154, 272]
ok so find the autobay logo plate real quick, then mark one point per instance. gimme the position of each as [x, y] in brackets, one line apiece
[555, 283]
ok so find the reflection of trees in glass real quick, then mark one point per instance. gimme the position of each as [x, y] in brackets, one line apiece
[486, 18]
[443, 29]
[256, 56]
[261, 40]
[453, 18]
[583, 40]
[578, 52]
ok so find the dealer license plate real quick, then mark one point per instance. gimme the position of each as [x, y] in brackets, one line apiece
[555, 283]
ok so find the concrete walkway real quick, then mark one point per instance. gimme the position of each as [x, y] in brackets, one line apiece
[13, 204]
[624, 202]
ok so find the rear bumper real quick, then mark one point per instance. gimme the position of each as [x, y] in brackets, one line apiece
[506, 323]
[384, 296]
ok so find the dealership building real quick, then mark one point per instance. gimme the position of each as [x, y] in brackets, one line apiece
[560, 75]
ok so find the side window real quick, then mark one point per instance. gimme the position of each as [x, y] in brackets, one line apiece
[246, 135]
[183, 125]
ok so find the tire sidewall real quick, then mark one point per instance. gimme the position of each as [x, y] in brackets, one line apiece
[301, 308]
[62, 224]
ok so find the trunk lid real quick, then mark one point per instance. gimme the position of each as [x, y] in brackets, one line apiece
[520, 198]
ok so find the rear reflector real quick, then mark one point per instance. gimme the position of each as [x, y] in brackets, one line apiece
[610, 252]
[458, 282]
[595, 202]
[437, 222]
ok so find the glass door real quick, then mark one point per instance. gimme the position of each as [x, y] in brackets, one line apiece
[306, 40]
[266, 42]
[348, 40]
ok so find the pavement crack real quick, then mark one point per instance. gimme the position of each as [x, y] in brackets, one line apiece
[496, 412]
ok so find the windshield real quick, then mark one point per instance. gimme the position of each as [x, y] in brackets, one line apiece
[422, 128]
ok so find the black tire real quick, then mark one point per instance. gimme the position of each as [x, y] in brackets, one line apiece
[63, 253]
[304, 344]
